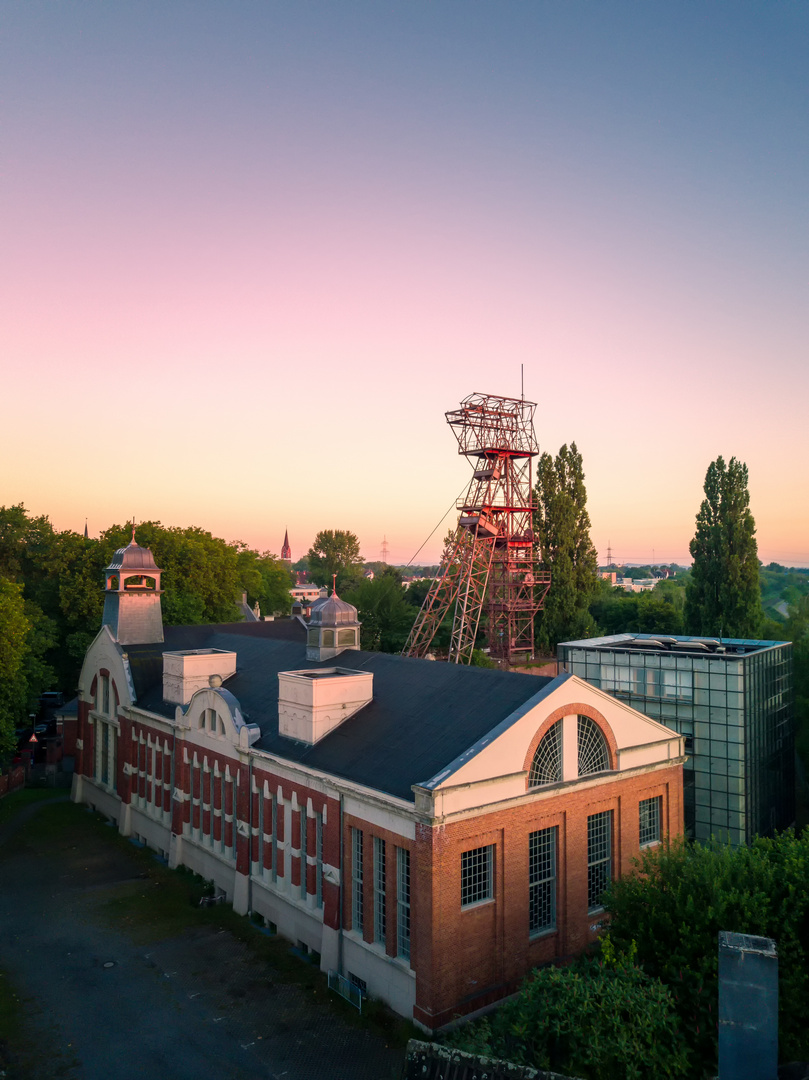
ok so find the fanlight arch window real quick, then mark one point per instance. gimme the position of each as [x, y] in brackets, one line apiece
[594, 755]
[546, 768]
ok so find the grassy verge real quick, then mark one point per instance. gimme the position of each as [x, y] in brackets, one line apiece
[155, 903]
[10, 805]
[23, 1056]
[12, 1039]
[166, 902]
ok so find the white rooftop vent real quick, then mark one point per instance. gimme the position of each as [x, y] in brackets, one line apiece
[313, 703]
[189, 670]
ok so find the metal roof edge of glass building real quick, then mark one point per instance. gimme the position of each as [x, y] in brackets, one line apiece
[752, 644]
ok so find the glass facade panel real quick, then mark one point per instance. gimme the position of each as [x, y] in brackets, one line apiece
[738, 705]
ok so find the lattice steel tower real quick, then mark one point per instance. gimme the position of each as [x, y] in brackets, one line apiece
[489, 561]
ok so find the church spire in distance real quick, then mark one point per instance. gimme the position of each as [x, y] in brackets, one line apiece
[286, 550]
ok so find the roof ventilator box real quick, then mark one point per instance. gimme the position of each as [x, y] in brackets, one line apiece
[313, 703]
[189, 670]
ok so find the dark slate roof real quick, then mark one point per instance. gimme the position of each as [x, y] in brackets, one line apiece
[423, 716]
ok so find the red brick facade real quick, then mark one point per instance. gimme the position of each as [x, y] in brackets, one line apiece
[467, 958]
[184, 786]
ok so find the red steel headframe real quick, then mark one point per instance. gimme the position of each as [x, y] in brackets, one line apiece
[489, 561]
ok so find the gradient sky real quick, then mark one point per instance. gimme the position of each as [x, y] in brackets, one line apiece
[251, 252]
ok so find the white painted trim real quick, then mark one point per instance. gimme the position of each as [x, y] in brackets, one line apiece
[548, 791]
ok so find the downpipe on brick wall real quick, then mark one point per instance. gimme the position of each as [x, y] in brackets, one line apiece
[340, 903]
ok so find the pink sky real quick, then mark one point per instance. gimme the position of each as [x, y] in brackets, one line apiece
[251, 259]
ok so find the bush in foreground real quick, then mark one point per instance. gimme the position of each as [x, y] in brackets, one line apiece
[599, 1019]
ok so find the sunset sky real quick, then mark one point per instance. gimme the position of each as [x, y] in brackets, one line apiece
[250, 253]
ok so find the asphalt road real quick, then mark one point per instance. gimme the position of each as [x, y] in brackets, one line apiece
[193, 1006]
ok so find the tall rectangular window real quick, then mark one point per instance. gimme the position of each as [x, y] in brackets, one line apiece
[542, 881]
[113, 759]
[357, 911]
[105, 753]
[477, 876]
[650, 817]
[103, 696]
[258, 866]
[380, 921]
[304, 849]
[191, 778]
[274, 838]
[96, 724]
[319, 862]
[235, 796]
[403, 903]
[599, 857]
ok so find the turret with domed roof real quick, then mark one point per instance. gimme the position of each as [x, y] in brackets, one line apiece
[333, 628]
[132, 592]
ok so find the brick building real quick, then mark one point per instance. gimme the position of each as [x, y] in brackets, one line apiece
[432, 831]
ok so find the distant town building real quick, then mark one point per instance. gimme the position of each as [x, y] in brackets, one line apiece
[431, 831]
[732, 701]
[307, 593]
[627, 583]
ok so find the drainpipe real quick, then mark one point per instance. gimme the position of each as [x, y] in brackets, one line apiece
[340, 908]
[250, 836]
[171, 789]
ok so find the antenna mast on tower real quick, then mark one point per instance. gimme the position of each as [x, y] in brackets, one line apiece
[489, 561]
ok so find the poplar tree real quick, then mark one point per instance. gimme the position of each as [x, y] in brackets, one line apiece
[562, 533]
[723, 596]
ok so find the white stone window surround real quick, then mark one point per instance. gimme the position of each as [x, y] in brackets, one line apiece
[106, 731]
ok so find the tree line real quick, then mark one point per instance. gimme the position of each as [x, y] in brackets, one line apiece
[51, 597]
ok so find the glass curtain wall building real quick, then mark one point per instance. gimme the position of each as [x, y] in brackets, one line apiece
[731, 699]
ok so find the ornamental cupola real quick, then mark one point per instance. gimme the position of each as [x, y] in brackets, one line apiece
[333, 628]
[132, 593]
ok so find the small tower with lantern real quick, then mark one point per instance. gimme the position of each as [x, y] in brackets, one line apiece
[132, 594]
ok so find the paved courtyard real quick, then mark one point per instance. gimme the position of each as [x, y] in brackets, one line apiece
[109, 1000]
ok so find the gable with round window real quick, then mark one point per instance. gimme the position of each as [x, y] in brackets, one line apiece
[571, 748]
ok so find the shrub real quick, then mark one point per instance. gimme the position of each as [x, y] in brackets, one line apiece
[599, 1019]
